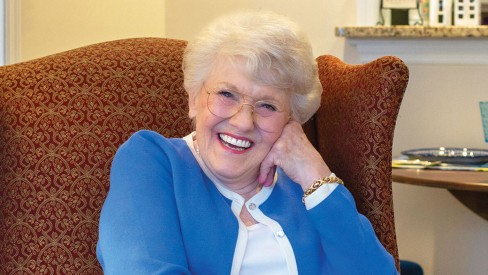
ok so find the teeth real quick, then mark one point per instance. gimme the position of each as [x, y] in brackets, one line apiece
[235, 142]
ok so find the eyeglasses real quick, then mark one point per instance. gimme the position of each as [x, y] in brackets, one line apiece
[268, 116]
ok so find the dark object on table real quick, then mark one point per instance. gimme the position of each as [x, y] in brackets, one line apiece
[449, 155]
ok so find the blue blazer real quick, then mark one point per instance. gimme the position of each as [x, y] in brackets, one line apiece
[163, 215]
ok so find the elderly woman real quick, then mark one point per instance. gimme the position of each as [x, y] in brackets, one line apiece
[246, 193]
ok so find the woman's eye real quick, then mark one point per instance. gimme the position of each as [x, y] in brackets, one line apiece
[267, 106]
[226, 94]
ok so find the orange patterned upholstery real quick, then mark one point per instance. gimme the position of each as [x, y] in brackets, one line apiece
[62, 117]
[353, 131]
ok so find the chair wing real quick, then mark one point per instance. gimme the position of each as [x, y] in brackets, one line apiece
[62, 118]
[354, 130]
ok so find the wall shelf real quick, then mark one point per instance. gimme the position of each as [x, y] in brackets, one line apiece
[420, 45]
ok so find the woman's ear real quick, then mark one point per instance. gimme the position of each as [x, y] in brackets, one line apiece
[192, 106]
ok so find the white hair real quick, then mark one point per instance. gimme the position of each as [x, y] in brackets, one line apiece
[277, 53]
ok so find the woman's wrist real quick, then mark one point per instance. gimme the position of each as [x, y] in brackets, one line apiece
[310, 177]
[332, 178]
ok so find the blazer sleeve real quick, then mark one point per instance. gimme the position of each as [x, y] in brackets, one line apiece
[139, 230]
[348, 239]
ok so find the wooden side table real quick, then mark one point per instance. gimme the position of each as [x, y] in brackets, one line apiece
[470, 188]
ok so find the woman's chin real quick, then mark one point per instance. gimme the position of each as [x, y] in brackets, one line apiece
[229, 174]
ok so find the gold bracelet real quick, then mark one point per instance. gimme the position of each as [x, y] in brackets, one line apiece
[316, 184]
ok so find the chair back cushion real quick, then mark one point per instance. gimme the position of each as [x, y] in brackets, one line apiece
[354, 133]
[62, 118]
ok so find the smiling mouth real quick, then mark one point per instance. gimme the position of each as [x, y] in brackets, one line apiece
[235, 144]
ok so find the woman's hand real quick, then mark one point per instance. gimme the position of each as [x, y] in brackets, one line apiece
[294, 153]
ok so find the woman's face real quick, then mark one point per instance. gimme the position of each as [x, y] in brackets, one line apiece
[233, 148]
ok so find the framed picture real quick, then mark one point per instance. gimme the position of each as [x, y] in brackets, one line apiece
[399, 4]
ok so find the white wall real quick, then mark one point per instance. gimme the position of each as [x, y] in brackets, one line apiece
[184, 18]
[441, 109]
[50, 26]
[2, 32]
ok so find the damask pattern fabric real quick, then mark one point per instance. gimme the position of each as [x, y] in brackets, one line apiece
[354, 133]
[62, 119]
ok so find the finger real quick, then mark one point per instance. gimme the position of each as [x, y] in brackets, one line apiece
[263, 174]
[267, 167]
[270, 177]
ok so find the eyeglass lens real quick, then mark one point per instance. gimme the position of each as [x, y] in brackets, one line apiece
[267, 115]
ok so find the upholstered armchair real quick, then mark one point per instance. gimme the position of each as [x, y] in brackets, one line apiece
[62, 118]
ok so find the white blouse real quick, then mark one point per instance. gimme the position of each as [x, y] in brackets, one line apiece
[263, 254]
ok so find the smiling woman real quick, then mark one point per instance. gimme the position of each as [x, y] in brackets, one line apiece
[246, 180]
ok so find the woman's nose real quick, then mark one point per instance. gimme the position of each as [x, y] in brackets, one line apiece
[244, 118]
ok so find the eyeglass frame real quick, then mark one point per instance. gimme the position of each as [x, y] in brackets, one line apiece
[241, 105]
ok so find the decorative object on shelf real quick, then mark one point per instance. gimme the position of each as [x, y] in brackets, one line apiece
[484, 118]
[424, 11]
[467, 12]
[484, 12]
[400, 10]
[440, 12]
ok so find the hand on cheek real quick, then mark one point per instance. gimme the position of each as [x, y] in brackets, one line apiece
[293, 153]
